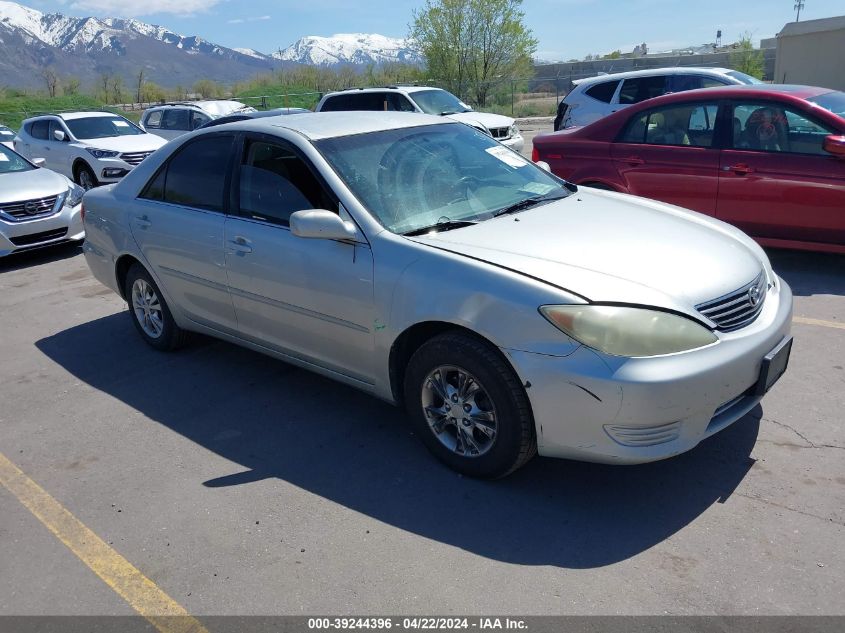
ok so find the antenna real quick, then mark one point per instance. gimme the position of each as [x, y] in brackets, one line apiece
[799, 4]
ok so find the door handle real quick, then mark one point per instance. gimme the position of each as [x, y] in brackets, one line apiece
[240, 245]
[143, 221]
[740, 170]
[633, 160]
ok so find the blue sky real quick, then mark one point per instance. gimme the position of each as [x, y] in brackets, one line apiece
[565, 28]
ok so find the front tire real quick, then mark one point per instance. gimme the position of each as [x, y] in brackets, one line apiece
[468, 406]
[85, 177]
[150, 313]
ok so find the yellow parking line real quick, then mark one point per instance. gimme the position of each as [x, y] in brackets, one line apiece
[806, 321]
[142, 594]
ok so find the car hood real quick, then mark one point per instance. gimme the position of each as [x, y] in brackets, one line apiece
[486, 119]
[609, 247]
[135, 143]
[28, 185]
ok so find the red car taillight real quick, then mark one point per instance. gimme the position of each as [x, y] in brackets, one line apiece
[535, 155]
[82, 212]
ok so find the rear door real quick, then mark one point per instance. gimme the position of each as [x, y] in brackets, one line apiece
[776, 180]
[671, 154]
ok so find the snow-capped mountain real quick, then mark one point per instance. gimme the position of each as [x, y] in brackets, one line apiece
[349, 48]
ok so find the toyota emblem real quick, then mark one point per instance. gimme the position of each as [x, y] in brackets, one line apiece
[30, 208]
[754, 296]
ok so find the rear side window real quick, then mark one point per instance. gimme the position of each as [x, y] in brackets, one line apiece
[176, 119]
[642, 88]
[153, 120]
[356, 101]
[195, 176]
[336, 104]
[604, 91]
[39, 129]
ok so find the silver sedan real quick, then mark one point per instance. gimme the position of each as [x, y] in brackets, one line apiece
[38, 207]
[421, 261]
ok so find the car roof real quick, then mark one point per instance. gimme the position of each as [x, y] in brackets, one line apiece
[399, 88]
[321, 125]
[70, 116]
[650, 72]
[746, 90]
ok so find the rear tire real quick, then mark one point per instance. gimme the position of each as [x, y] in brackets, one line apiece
[150, 313]
[468, 406]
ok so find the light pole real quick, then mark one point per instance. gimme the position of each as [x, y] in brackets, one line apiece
[799, 4]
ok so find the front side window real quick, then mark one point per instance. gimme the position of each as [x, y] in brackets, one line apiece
[691, 124]
[399, 103]
[55, 126]
[603, 91]
[195, 176]
[11, 162]
[769, 127]
[642, 88]
[439, 102]
[93, 127]
[198, 119]
[417, 178]
[177, 119]
[275, 182]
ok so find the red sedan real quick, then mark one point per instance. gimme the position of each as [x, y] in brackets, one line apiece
[768, 159]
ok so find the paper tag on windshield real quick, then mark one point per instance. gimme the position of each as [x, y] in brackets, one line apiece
[507, 156]
[121, 124]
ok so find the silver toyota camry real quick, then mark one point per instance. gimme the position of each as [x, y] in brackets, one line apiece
[38, 207]
[421, 261]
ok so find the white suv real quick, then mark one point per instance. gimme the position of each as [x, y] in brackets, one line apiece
[596, 97]
[91, 148]
[428, 101]
[172, 120]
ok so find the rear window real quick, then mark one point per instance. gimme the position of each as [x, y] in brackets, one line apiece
[641, 88]
[603, 91]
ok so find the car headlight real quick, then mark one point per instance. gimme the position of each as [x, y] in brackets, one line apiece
[101, 153]
[623, 331]
[74, 195]
[514, 131]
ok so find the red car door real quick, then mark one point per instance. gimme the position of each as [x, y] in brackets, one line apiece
[668, 154]
[776, 181]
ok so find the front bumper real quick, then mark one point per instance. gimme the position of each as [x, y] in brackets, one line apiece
[110, 170]
[64, 226]
[593, 407]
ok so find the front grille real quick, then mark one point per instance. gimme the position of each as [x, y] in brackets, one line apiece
[134, 158]
[738, 308]
[499, 132]
[37, 238]
[29, 209]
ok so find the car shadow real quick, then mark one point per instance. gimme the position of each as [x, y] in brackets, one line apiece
[39, 256]
[810, 273]
[281, 422]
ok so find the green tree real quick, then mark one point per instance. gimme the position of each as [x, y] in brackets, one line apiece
[71, 86]
[470, 46]
[746, 58]
[208, 89]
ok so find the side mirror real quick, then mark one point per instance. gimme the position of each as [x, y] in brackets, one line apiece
[835, 145]
[321, 224]
[543, 165]
[39, 162]
[59, 135]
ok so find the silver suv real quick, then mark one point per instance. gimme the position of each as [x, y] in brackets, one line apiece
[596, 97]
[172, 120]
[428, 101]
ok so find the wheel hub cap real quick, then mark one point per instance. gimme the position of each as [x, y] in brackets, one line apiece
[147, 308]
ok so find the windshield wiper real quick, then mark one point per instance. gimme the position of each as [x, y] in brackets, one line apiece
[439, 227]
[522, 205]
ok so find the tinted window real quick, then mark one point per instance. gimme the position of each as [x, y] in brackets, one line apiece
[768, 127]
[275, 182]
[155, 188]
[196, 175]
[399, 103]
[153, 120]
[102, 127]
[642, 88]
[198, 119]
[367, 101]
[334, 104]
[680, 83]
[176, 119]
[686, 125]
[54, 126]
[39, 129]
[604, 91]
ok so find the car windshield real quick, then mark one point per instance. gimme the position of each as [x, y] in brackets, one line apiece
[833, 101]
[439, 102]
[746, 79]
[437, 177]
[12, 162]
[6, 134]
[102, 127]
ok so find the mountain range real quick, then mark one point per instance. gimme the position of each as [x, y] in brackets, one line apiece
[86, 48]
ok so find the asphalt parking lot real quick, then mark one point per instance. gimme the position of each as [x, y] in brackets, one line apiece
[240, 485]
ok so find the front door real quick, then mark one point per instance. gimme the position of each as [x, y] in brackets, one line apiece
[308, 298]
[776, 181]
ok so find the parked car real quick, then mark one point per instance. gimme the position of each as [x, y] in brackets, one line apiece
[426, 100]
[596, 97]
[38, 207]
[258, 114]
[7, 137]
[417, 259]
[767, 159]
[172, 120]
[91, 148]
